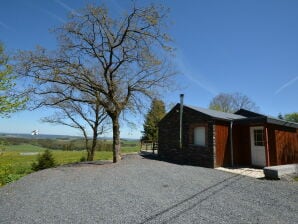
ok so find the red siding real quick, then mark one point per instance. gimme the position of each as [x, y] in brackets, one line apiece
[286, 143]
[223, 156]
[272, 145]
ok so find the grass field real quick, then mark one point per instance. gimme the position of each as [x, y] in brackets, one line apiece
[14, 164]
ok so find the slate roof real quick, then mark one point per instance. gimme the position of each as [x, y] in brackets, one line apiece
[252, 116]
[246, 117]
[217, 114]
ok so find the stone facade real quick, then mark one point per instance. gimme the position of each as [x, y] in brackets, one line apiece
[189, 153]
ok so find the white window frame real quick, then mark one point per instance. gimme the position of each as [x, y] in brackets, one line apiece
[199, 136]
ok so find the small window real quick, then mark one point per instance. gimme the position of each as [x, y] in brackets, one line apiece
[259, 137]
[199, 136]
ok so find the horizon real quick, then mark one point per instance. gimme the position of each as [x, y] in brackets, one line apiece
[222, 47]
[58, 135]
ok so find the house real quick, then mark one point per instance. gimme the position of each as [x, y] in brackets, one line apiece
[212, 138]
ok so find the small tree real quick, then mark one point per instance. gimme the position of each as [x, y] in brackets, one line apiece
[155, 114]
[9, 101]
[293, 117]
[231, 102]
[44, 161]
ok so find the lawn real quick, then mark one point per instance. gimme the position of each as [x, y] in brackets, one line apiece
[24, 148]
[14, 165]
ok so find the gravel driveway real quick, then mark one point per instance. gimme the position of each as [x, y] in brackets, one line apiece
[139, 190]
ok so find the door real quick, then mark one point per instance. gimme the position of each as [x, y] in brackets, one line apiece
[257, 142]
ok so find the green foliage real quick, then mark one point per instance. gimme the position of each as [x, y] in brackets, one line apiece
[104, 146]
[9, 101]
[45, 161]
[155, 114]
[9, 178]
[293, 117]
[3, 145]
[8, 173]
[83, 159]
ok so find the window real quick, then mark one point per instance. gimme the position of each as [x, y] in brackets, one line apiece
[259, 137]
[199, 136]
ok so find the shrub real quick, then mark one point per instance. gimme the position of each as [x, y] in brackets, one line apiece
[44, 161]
[83, 159]
[7, 175]
[8, 178]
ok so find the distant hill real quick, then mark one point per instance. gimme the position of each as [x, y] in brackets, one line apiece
[41, 136]
[45, 136]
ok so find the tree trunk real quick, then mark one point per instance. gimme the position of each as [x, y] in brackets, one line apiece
[90, 155]
[94, 142]
[116, 140]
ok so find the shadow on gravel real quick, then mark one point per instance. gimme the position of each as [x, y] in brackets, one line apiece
[191, 202]
[98, 162]
[151, 156]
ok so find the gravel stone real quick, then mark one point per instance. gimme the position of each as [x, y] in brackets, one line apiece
[141, 190]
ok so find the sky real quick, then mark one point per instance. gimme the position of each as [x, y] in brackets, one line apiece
[226, 46]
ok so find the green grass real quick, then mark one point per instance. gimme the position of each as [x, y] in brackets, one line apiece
[295, 178]
[13, 165]
[24, 148]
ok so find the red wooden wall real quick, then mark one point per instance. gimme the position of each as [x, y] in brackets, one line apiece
[222, 139]
[283, 145]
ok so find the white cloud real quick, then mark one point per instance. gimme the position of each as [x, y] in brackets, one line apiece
[286, 85]
[193, 75]
[67, 7]
[5, 26]
[54, 16]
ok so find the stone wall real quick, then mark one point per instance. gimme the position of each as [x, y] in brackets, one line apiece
[168, 144]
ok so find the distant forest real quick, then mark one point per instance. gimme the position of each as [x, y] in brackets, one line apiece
[65, 143]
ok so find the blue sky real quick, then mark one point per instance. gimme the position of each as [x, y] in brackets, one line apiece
[222, 46]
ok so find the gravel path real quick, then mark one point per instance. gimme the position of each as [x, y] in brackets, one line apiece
[139, 190]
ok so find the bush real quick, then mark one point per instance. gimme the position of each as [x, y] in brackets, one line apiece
[8, 178]
[44, 161]
[83, 159]
[7, 175]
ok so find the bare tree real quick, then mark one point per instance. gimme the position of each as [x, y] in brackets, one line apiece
[113, 62]
[231, 102]
[80, 116]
